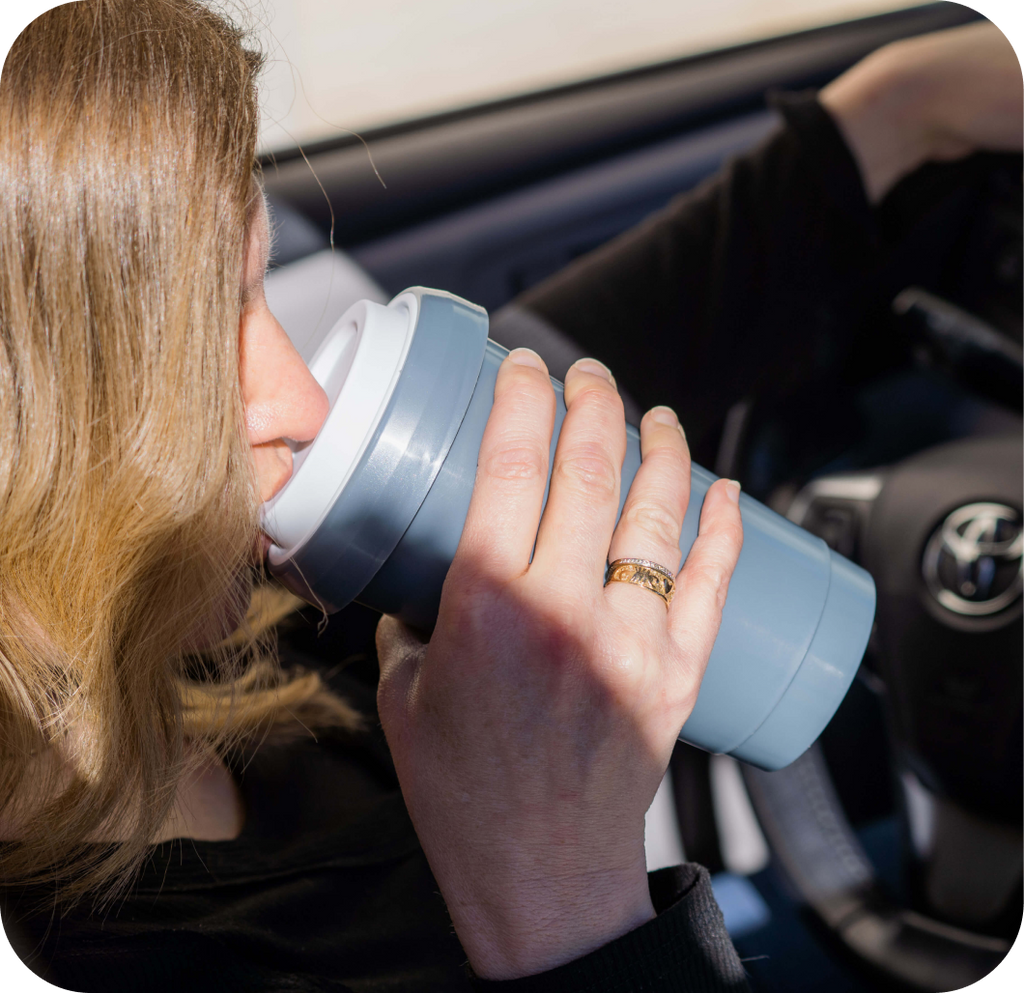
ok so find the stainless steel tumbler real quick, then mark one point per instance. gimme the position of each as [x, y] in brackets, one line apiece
[376, 504]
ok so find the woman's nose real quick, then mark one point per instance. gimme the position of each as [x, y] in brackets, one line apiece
[282, 399]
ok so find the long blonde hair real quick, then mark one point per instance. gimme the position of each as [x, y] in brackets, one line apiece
[128, 504]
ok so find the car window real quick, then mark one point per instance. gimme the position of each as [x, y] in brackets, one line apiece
[345, 65]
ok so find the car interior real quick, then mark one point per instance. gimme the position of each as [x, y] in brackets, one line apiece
[889, 856]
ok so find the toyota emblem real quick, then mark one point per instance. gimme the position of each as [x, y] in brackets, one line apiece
[973, 563]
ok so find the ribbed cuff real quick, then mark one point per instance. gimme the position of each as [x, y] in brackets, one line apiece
[685, 949]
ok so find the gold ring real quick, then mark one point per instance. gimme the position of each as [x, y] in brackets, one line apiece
[643, 572]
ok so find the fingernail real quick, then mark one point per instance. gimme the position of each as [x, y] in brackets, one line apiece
[528, 357]
[732, 490]
[664, 415]
[595, 368]
[667, 416]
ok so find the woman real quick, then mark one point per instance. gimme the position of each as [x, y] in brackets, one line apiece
[528, 736]
[128, 480]
[149, 399]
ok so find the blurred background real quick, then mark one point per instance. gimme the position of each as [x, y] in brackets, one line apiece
[340, 64]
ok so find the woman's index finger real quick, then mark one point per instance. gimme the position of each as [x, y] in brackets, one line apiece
[512, 470]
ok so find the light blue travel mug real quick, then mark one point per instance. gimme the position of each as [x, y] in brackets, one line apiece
[376, 504]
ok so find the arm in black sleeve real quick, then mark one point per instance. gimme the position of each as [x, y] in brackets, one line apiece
[724, 291]
[685, 949]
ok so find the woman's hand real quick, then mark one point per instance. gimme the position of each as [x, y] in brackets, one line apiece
[936, 96]
[531, 733]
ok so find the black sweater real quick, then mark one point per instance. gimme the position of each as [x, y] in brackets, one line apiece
[327, 888]
[773, 275]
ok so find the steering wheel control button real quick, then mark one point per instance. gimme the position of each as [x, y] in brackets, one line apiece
[837, 509]
[972, 563]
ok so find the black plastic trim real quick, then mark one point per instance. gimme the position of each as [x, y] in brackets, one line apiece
[440, 163]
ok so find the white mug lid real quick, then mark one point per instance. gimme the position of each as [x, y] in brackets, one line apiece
[358, 365]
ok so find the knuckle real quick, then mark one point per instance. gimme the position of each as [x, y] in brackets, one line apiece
[654, 520]
[669, 460]
[516, 461]
[602, 397]
[732, 536]
[721, 590]
[468, 612]
[522, 393]
[589, 469]
[473, 605]
[710, 579]
[559, 646]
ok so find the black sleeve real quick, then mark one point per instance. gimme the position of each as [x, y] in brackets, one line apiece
[685, 949]
[729, 289]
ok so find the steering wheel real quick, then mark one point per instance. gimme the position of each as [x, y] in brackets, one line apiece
[942, 533]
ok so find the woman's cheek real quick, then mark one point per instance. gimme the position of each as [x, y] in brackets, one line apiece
[273, 467]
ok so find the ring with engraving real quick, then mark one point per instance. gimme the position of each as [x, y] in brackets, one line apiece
[642, 572]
